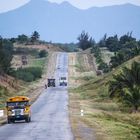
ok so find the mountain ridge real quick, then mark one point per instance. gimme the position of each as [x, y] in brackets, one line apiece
[64, 22]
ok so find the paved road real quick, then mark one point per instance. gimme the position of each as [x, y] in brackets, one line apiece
[50, 118]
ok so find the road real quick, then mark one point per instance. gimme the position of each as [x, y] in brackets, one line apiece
[50, 117]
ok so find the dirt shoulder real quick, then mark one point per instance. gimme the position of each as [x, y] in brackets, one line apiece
[79, 66]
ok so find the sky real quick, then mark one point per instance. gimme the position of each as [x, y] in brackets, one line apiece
[84, 4]
[7, 5]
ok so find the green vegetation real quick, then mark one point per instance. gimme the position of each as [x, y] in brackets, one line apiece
[26, 51]
[3, 94]
[68, 47]
[35, 37]
[24, 39]
[125, 86]
[6, 55]
[124, 48]
[99, 60]
[32, 72]
[108, 116]
[85, 41]
[39, 62]
[43, 53]
[28, 74]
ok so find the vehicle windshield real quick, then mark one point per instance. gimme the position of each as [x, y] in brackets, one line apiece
[51, 80]
[63, 78]
[22, 104]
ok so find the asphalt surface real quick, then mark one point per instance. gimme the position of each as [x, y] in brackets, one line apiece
[50, 117]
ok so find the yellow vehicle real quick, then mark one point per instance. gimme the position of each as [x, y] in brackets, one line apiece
[18, 108]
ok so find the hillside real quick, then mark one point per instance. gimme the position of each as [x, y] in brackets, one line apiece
[105, 118]
[12, 86]
[63, 22]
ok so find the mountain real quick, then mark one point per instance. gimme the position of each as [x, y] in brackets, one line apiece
[64, 22]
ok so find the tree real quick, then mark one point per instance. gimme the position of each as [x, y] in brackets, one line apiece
[112, 43]
[22, 38]
[117, 59]
[6, 55]
[103, 66]
[126, 38]
[85, 41]
[102, 42]
[35, 37]
[126, 86]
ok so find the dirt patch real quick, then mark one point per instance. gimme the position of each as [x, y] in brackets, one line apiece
[86, 132]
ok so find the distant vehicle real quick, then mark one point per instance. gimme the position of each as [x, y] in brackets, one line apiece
[63, 81]
[18, 108]
[51, 82]
[58, 67]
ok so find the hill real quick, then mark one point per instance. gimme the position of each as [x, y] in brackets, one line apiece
[103, 117]
[63, 22]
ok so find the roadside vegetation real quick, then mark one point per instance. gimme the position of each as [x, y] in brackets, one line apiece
[124, 48]
[67, 47]
[111, 101]
[20, 67]
[112, 118]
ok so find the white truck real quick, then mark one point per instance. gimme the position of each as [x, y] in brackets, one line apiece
[63, 81]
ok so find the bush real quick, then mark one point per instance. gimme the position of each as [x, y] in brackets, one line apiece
[103, 66]
[28, 74]
[42, 53]
[25, 76]
[36, 71]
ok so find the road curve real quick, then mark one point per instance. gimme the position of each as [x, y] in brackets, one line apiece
[50, 118]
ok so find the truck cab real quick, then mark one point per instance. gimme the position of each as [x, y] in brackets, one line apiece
[51, 82]
[18, 108]
[63, 81]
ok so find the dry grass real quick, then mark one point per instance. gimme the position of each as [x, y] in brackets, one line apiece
[111, 121]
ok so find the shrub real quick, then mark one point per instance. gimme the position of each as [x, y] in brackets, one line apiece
[28, 74]
[42, 53]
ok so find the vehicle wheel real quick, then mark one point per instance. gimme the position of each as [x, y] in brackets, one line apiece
[8, 121]
[27, 119]
[13, 121]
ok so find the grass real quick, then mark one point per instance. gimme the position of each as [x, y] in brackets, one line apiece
[110, 119]
[81, 67]
[106, 55]
[25, 88]
[39, 62]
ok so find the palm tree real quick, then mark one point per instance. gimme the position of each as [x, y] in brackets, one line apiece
[126, 86]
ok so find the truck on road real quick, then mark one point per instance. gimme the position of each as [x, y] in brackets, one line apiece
[51, 82]
[63, 81]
